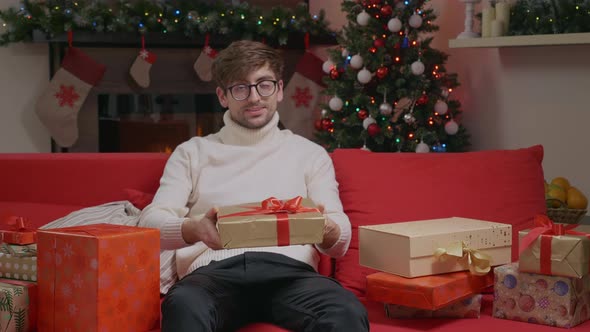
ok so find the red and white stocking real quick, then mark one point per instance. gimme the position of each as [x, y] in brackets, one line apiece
[302, 94]
[140, 69]
[59, 105]
[204, 62]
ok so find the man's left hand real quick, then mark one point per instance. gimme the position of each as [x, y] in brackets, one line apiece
[331, 231]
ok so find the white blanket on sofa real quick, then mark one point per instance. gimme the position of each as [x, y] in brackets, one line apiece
[119, 213]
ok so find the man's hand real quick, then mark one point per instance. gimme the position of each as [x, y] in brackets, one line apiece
[331, 231]
[204, 230]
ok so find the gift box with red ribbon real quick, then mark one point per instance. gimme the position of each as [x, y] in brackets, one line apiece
[272, 222]
[555, 249]
[14, 230]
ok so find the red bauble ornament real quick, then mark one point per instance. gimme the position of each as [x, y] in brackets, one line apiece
[373, 50]
[327, 124]
[334, 74]
[379, 42]
[373, 129]
[318, 124]
[382, 72]
[422, 100]
[362, 114]
[386, 10]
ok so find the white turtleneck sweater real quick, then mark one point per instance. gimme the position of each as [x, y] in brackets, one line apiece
[238, 165]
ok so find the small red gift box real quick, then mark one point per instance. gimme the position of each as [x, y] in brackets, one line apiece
[14, 230]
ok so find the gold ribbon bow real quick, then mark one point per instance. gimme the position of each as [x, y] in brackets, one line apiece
[478, 262]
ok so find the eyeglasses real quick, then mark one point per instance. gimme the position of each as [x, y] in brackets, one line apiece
[264, 88]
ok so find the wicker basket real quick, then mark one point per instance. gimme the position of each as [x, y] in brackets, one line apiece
[564, 215]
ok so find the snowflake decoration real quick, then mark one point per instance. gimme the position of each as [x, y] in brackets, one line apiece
[302, 97]
[67, 95]
[144, 54]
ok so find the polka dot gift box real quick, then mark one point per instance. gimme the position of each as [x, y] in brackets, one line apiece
[540, 299]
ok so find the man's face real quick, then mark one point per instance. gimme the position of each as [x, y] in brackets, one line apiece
[255, 111]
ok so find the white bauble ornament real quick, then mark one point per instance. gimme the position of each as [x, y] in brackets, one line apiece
[422, 148]
[394, 25]
[335, 104]
[385, 109]
[444, 92]
[345, 53]
[441, 107]
[356, 61]
[415, 21]
[327, 66]
[364, 76]
[451, 127]
[368, 121]
[324, 113]
[418, 67]
[409, 118]
[363, 18]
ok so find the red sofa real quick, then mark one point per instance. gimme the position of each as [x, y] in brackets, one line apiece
[503, 186]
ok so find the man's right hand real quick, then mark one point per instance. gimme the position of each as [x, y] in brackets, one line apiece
[204, 230]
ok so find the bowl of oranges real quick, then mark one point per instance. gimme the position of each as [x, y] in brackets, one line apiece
[565, 203]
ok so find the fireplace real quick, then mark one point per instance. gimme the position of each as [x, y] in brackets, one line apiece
[119, 116]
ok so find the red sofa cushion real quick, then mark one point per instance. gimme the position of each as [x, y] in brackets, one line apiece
[376, 188]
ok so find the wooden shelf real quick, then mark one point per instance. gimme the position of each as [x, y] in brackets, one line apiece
[523, 41]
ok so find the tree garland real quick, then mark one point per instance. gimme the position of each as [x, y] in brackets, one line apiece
[233, 21]
[532, 17]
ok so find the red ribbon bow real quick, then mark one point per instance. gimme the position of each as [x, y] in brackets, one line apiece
[14, 230]
[281, 209]
[546, 229]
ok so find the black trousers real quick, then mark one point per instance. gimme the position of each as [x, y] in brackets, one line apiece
[260, 287]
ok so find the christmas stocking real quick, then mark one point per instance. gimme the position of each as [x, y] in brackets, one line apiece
[204, 62]
[302, 95]
[140, 70]
[59, 105]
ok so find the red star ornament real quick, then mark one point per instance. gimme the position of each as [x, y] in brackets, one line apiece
[67, 95]
[302, 97]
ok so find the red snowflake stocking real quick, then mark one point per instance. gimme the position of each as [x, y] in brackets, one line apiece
[204, 62]
[302, 95]
[59, 105]
[140, 69]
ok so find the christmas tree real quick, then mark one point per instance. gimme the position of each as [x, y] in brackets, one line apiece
[388, 89]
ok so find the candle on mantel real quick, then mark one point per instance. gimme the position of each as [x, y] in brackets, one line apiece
[497, 28]
[488, 14]
[503, 14]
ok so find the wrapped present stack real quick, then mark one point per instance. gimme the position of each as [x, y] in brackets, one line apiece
[433, 268]
[550, 284]
[18, 275]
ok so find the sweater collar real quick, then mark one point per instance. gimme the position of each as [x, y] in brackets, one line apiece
[235, 134]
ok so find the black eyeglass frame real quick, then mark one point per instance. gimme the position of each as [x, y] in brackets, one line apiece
[249, 86]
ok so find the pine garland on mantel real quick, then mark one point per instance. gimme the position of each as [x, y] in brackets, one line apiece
[231, 21]
[533, 17]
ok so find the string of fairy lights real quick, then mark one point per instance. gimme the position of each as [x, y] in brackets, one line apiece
[234, 21]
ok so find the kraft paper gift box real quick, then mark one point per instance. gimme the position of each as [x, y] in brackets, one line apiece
[18, 267]
[541, 299]
[426, 247]
[555, 249]
[99, 277]
[467, 308]
[18, 306]
[429, 292]
[271, 222]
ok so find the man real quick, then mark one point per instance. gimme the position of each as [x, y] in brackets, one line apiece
[248, 160]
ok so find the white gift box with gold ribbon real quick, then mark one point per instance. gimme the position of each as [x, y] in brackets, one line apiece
[427, 247]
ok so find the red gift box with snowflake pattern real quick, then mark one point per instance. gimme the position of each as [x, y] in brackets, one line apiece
[99, 277]
[540, 299]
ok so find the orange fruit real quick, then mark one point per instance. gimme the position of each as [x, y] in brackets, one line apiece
[556, 196]
[562, 182]
[576, 199]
